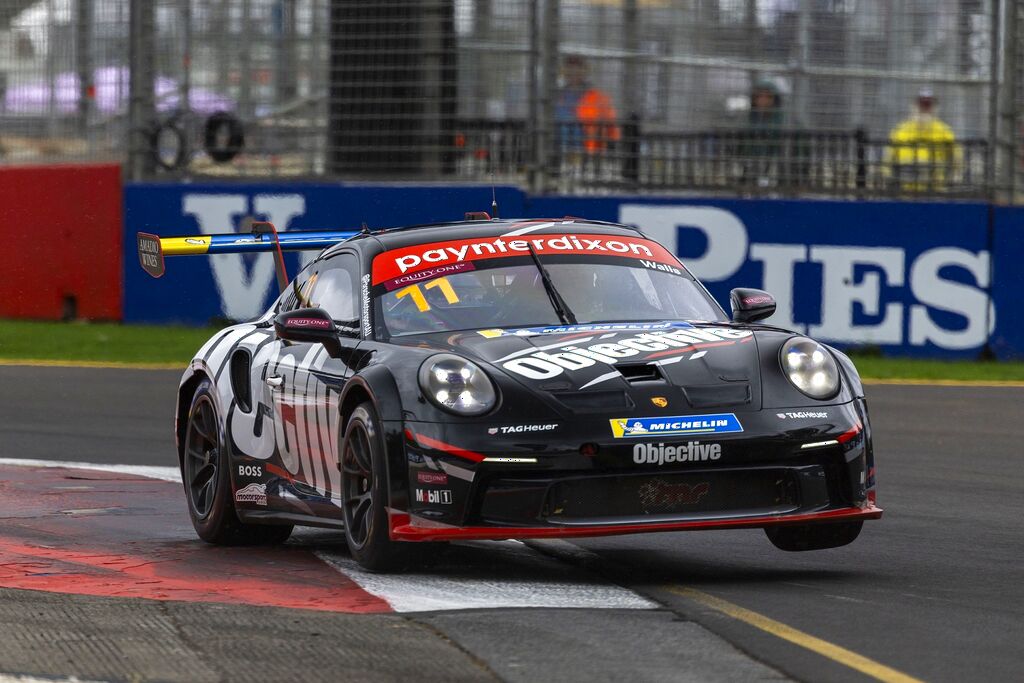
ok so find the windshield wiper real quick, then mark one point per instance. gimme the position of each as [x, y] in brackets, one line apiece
[557, 302]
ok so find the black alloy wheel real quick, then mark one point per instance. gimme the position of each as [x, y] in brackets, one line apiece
[357, 468]
[207, 480]
[364, 487]
[202, 456]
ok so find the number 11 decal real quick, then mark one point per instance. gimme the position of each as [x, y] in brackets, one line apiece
[420, 300]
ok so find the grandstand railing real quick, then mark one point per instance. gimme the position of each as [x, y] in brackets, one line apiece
[775, 162]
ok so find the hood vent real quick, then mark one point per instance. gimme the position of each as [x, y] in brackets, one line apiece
[639, 372]
[593, 401]
[718, 395]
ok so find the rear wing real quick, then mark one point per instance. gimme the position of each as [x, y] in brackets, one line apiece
[264, 237]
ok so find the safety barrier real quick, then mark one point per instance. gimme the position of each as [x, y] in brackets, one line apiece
[61, 232]
[914, 278]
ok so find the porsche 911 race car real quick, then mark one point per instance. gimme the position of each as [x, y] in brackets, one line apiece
[497, 379]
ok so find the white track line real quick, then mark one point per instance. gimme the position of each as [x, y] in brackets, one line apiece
[486, 575]
[151, 471]
[521, 577]
[17, 678]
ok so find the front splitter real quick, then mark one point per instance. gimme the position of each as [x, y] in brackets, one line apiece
[405, 529]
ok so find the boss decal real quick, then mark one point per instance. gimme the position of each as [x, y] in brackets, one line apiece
[250, 470]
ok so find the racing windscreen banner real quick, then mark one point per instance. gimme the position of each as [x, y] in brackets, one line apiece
[422, 260]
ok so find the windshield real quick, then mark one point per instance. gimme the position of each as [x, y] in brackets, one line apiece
[506, 289]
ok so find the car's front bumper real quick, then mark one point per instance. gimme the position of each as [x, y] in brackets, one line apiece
[809, 472]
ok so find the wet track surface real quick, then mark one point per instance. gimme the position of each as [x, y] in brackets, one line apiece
[933, 590]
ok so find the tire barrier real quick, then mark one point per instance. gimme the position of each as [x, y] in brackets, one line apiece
[223, 137]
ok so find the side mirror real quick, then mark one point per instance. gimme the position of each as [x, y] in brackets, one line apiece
[749, 305]
[312, 325]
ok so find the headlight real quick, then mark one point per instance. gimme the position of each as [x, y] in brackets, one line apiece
[810, 367]
[457, 385]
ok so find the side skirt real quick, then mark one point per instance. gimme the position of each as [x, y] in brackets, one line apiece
[298, 519]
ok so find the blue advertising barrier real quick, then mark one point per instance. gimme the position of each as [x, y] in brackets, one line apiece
[911, 278]
[198, 289]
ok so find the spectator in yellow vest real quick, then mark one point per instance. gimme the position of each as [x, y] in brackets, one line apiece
[922, 154]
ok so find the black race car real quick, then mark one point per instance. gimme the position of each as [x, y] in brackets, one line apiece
[495, 379]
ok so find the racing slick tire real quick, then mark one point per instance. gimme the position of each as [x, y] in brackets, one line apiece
[205, 473]
[800, 537]
[364, 489]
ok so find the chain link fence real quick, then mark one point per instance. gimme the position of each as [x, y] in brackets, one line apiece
[854, 98]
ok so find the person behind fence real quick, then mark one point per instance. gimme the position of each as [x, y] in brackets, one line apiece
[922, 152]
[761, 145]
[585, 114]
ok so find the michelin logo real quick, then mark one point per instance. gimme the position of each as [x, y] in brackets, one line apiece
[722, 423]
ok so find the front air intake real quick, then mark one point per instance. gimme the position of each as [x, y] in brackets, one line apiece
[240, 383]
[639, 372]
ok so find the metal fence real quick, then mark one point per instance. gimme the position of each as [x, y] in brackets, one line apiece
[772, 97]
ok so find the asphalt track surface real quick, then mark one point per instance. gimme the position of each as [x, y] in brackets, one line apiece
[933, 591]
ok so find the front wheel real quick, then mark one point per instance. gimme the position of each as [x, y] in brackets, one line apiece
[365, 491]
[204, 471]
[800, 537]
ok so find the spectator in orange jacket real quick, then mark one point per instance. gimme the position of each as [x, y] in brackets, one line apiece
[585, 115]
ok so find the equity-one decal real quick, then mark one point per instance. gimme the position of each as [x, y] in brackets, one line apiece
[545, 364]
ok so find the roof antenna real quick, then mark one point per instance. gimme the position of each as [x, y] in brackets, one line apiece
[494, 199]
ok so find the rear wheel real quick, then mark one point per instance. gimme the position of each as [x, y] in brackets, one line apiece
[800, 537]
[204, 470]
[364, 487]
